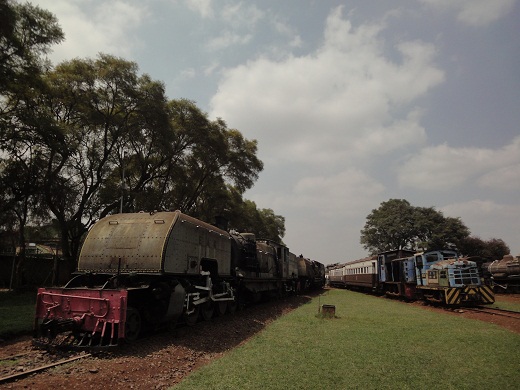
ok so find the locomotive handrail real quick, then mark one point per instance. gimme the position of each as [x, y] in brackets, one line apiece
[105, 300]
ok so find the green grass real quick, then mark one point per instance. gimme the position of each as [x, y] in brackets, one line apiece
[506, 305]
[16, 313]
[374, 343]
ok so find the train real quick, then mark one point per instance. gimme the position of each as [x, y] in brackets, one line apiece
[504, 274]
[143, 271]
[436, 276]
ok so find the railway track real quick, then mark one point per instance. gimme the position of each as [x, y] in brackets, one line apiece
[18, 366]
[496, 311]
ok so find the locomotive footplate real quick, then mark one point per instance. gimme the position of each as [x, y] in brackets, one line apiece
[467, 295]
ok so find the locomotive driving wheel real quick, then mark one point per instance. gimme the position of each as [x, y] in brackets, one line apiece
[232, 306]
[207, 309]
[192, 318]
[133, 324]
[222, 307]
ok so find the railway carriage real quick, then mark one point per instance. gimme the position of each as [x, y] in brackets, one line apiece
[361, 273]
[336, 276]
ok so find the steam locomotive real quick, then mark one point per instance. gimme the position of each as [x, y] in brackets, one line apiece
[504, 274]
[439, 277]
[142, 271]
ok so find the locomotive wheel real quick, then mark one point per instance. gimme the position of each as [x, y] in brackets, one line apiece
[192, 318]
[232, 306]
[207, 310]
[222, 308]
[133, 324]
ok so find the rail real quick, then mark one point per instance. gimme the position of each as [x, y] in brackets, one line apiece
[22, 374]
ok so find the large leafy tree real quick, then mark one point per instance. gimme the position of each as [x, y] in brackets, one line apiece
[391, 226]
[396, 224]
[190, 166]
[93, 108]
[493, 249]
[26, 34]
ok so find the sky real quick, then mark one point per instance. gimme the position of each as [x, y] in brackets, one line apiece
[352, 103]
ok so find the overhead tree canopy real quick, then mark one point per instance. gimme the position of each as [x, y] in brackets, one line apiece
[26, 33]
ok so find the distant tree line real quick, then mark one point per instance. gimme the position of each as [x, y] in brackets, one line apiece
[92, 137]
[396, 224]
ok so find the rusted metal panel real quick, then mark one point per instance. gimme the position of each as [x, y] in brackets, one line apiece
[127, 243]
[191, 242]
[98, 314]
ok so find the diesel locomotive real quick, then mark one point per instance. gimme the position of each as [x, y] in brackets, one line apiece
[142, 271]
[438, 276]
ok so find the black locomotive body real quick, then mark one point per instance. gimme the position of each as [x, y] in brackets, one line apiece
[142, 271]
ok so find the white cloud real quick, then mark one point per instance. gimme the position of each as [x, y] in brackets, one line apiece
[332, 105]
[324, 211]
[227, 39]
[460, 167]
[188, 73]
[475, 12]
[488, 219]
[286, 30]
[94, 27]
[238, 15]
[240, 21]
[203, 7]
[504, 178]
[336, 196]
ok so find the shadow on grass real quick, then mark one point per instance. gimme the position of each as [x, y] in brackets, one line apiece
[221, 333]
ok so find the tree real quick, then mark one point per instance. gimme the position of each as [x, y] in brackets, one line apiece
[26, 33]
[189, 166]
[391, 226]
[398, 225]
[244, 216]
[493, 249]
[92, 108]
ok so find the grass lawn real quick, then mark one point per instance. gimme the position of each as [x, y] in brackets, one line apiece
[505, 305]
[373, 343]
[16, 313]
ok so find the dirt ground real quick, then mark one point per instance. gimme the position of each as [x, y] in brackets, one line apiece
[162, 360]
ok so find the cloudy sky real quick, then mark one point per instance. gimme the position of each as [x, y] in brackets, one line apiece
[352, 102]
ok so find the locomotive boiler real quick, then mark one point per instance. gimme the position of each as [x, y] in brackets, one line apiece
[505, 273]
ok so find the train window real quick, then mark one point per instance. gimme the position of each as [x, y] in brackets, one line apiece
[432, 257]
